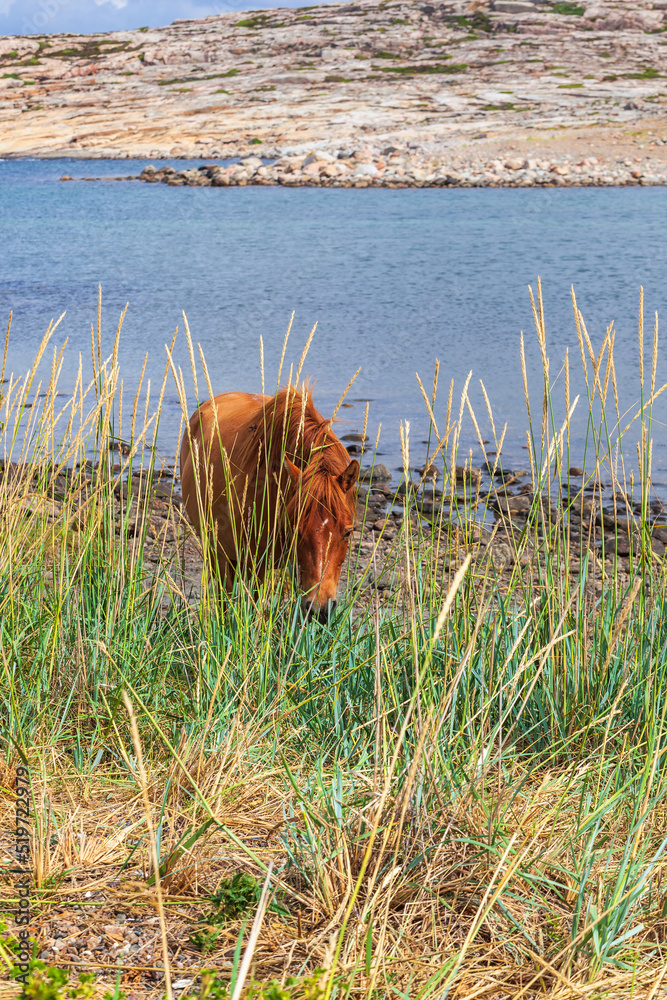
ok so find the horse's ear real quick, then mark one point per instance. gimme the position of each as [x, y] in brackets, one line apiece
[292, 471]
[348, 478]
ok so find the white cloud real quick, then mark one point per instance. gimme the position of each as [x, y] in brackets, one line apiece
[118, 4]
[5, 5]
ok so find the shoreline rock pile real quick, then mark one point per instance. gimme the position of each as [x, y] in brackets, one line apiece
[394, 170]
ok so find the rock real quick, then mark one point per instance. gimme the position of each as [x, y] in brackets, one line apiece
[513, 6]
[500, 555]
[511, 505]
[430, 471]
[467, 474]
[574, 470]
[378, 473]
[365, 170]
[66, 177]
[354, 436]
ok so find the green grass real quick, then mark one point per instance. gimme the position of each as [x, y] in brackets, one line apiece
[418, 68]
[198, 79]
[571, 9]
[467, 765]
[650, 73]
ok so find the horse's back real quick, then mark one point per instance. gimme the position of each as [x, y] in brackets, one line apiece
[225, 423]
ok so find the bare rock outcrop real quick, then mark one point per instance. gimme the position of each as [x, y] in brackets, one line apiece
[435, 76]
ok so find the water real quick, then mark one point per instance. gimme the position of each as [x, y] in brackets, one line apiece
[394, 279]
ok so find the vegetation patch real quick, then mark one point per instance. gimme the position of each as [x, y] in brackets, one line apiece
[255, 23]
[650, 73]
[570, 9]
[425, 68]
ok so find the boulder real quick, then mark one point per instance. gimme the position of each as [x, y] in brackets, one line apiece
[377, 473]
[365, 170]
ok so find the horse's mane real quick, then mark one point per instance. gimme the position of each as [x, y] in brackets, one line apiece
[289, 426]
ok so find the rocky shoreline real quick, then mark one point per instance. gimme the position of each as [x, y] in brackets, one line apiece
[393, 169]
[433, 90]
[491, 512]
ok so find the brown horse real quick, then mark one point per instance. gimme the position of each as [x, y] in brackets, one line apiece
[264, 479]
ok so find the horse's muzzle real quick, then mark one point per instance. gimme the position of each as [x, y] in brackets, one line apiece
[321, 614]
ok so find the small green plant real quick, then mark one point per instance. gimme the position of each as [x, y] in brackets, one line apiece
[571, 9]
[235, 895]
[258, 142]
[231, 900]
[50, 983]
[650, 73]
[425, 68]
[145, 28]
[10, 76]
[311, 987]
[205, 939]
[211, 988]
[259, 21]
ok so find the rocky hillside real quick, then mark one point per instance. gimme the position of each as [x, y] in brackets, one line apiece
[420, 75]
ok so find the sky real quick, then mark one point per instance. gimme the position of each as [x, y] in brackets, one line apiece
[29, 17]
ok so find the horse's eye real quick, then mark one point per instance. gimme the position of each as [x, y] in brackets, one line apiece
[348, 534]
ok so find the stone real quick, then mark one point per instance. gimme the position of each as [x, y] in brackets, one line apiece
[511, 505]
[66, 177]
[377, 473]
[365, 170]
[467, 474]
[513, 6]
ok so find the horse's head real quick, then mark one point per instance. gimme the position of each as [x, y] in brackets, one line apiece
[321, 509]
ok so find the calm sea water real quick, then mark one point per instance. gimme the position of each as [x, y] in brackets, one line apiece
[394, 280]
